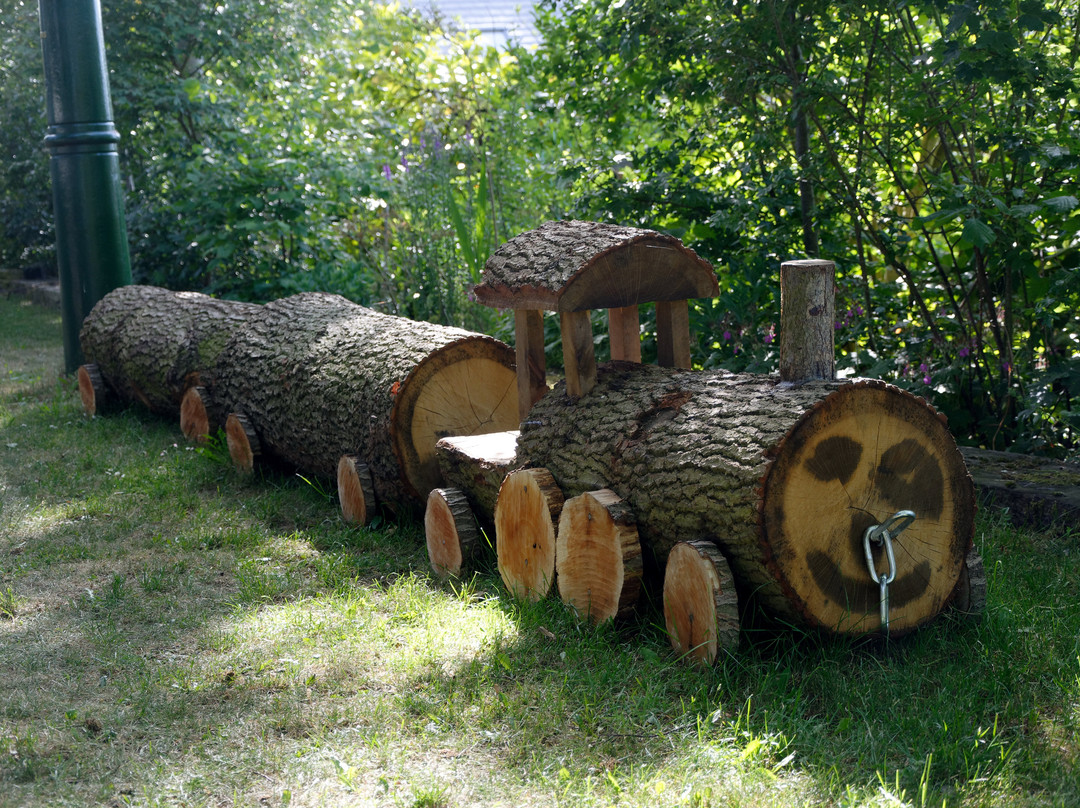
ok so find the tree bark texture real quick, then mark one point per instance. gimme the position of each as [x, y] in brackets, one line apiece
[320, 377]
[784, 478]
[151, 344]
[575, 266]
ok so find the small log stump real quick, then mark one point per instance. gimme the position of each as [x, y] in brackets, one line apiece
[598, 557]
[526, 516]
[356, 492]
[92, 389]
[478, 464]
[453, 537]
[701, 609]
[243, 442]
[970, 599]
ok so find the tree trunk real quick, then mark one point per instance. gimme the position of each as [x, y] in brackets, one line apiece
[785, 479]
[320, 377]
[150, 344]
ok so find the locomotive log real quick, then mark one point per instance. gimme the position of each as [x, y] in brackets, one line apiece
[150, 345]
[319, 377]
[785, 479]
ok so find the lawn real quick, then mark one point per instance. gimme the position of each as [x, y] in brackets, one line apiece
[175, 633]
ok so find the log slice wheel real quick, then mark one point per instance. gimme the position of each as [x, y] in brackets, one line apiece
[598, 565]
[861, 455]
[701, 610]
[453, 537]
[526, 514]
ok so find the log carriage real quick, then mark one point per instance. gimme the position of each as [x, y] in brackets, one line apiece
[838, 505]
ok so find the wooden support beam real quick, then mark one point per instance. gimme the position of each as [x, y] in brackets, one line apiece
[529, 354]
[673, 334]
[624, 330]
[579, 356]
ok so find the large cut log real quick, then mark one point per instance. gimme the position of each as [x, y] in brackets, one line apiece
[151, 345]
[786, 479]
[319, 377]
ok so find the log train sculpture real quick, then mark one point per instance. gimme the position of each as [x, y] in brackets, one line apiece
[839, 505]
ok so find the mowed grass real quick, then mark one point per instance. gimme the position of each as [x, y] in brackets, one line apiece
[172, 633]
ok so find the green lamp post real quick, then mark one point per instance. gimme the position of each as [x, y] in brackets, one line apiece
[91, 235]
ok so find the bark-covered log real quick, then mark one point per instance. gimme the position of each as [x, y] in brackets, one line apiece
[150, 344]
[575, 265]
[320, 377]
[785, 478]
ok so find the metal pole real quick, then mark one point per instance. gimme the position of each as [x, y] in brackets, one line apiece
[91, 235]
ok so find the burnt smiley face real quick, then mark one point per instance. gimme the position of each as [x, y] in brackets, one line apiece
[906, 476]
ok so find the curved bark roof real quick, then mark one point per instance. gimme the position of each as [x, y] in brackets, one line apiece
[574, 265]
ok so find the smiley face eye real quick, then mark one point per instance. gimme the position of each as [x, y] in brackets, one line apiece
[835, 458]
[910, 477]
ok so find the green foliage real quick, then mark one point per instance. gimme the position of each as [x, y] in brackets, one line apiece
[929, 148]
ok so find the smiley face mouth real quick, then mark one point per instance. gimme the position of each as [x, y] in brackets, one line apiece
[859, 595]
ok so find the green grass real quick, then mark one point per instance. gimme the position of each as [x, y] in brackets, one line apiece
[172, 633]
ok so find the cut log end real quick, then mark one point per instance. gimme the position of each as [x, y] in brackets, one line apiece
[863, 454]
[356, 491]
[468, 387]
[242, 441]
[701, 609]
[453, 537]
[92, 388]
[526, 514]
[598, 556]
[194, 420]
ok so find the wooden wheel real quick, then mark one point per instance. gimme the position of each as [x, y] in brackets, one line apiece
[598, 556]
[700, 606]
[242, 441]
[453, 537]
[526, 514]
[92, 388]
[356, 492]
[194, 420]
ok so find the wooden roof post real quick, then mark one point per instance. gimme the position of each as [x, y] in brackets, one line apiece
[807, 320]
[531, 364]
[624, 330]
[673, 334]
[579, 356]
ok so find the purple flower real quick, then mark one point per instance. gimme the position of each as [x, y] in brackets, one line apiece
[769, 338]
[727, 336]
[405, 162]
[964, 352]
[438, 146]
[386, 171]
